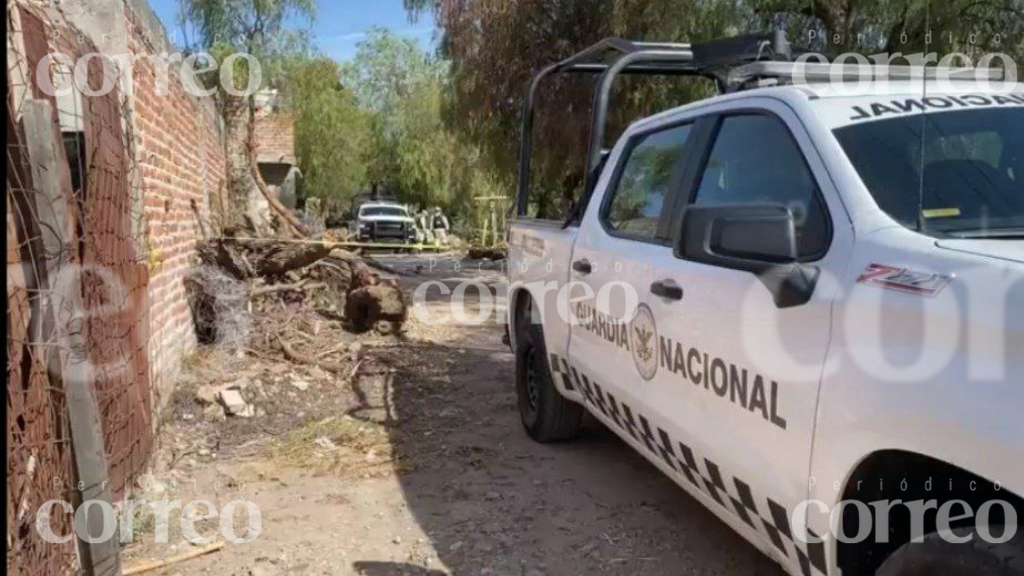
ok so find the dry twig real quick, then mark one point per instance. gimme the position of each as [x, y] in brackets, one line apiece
[301, 285]
[294, 356]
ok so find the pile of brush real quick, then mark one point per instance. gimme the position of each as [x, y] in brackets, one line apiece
[240, 277]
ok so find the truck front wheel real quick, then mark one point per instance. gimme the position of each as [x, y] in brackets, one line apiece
[545, 413]
[936, 556]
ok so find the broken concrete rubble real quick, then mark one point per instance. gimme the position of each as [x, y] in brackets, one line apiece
[233, 402]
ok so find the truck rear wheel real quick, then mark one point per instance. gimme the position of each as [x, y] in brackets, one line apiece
[545, 413]
[935, 556]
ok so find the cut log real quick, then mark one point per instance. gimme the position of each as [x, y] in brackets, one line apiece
[379, 307]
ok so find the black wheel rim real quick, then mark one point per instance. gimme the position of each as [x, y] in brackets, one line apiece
[532, 386]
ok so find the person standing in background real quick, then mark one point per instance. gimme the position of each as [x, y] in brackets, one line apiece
[424, 227]
[441, 226]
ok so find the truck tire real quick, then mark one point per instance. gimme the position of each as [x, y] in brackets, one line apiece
[935, 556]
[545, 413]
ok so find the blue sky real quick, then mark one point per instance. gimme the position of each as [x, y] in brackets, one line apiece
[341, 24]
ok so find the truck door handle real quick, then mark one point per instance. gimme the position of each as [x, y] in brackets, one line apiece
[667, 289]
[583, 266]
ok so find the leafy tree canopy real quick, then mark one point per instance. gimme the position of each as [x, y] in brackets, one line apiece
[331, 131]
[495, 45]
[386, 68]
[269, 30]
[412, 152]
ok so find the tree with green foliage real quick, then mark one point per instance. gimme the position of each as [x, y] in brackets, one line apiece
[383, 75]
[412, 152]
[331, 131]
[424, 148]
[495, 46]
[385, 69]
[265, 31]
[972, 27]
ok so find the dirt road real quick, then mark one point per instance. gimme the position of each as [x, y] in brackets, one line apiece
[443, 481]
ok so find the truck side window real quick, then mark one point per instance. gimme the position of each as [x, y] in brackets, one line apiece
[636, 200]
[756, 160]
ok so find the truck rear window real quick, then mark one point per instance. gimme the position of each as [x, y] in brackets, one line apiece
[958, 174]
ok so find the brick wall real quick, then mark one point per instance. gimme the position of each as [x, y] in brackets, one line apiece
[138, 176]
[180, 171]
[275, 138]
[177, 156]
[138, 179]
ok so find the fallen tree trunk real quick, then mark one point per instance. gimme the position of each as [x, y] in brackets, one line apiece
[334, 282]
[374, 263]
[248, 258]
[288, 218]
[276, 259]
[342, 271]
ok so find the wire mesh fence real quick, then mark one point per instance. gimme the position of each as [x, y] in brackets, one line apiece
[72, 230]
[114, 277]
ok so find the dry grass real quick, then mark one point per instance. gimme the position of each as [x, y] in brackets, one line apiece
[338, 445]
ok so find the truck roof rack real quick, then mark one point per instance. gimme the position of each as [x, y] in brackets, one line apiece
[614, 56]
[734, 64]
[744, 75]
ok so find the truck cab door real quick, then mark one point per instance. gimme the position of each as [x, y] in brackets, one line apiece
[736, 389]
[624, 237]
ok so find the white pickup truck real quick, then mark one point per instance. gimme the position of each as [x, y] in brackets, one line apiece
[383, 221]
[805, 308]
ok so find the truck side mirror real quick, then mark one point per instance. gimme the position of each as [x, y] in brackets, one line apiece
[756, 238]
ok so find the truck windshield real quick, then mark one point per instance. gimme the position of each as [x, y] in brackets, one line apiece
[383, 211]
[964, 178]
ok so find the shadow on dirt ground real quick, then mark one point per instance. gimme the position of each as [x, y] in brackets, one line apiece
[491, 501]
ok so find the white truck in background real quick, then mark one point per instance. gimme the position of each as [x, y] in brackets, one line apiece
[383, 221]
[797, 305]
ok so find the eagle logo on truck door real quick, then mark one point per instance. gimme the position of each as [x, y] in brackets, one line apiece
[643, 341]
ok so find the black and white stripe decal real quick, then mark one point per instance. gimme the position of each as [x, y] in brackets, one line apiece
[738, 501]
